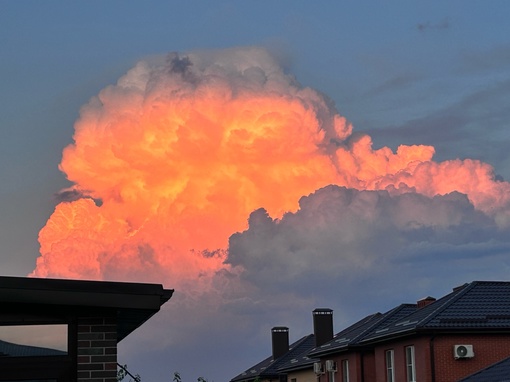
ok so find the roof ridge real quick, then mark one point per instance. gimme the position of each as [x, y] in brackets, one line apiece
[292, 348]
[383, 324]
[391, 312]
[298, 342]
[455, 295]
[377, 320]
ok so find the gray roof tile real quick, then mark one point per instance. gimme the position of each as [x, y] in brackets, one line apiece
[270, 368]
[498, 372]
[480, 305]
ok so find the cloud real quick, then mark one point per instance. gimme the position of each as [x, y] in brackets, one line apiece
[452, 131]
[441, 25]
[341, 235]
[221, 176]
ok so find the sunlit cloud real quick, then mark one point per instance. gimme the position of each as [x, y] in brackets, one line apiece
[175, 156]
[218, 174]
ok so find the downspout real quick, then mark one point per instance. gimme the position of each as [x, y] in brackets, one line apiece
[432, 360]
[362, 364]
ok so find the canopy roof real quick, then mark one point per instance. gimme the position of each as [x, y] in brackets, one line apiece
[134, 303]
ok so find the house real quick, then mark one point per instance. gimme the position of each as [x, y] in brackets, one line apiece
[290, 361]
[441, 340]
[463, 335]
[68, 330]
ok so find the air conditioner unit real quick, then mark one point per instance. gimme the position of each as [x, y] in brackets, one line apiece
[330, 365]
[317, 368]
[463, 351]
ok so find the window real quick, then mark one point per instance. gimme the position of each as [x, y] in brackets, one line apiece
[410, 364]
[33, 340]
[34, 349]
[345, 370]
[390, 369]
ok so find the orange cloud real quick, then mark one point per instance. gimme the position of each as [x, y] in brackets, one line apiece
[181, 151]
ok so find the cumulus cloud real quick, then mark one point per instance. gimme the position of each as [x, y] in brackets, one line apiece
[220, 175]
[340, 235]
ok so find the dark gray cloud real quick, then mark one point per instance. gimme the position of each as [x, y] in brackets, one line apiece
[343, 238]
[455, 129]
[428, 25]
[72, 194]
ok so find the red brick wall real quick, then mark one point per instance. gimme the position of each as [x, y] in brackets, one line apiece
[97, 349]
[368, 367]
[488, 349]
[359, 369]
[421, 355]
[353, 359]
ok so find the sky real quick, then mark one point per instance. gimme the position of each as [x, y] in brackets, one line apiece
[261, 158]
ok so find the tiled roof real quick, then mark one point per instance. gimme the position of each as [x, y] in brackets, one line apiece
[348, 336]
[352, 335]
[478, 305]
[268, 368]
[498, 372]
[301, 360]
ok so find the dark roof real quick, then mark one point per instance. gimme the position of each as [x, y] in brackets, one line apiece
[301, 360]
[480, 305]
[134, 303]
[355, 333]
[269, 368]
[9, 349]
[498, 372]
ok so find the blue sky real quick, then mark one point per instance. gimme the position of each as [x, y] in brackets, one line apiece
[404, 72]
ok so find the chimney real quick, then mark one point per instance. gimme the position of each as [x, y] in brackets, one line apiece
[280, 341]
[460, 287]
[425, 301]
[322, 325]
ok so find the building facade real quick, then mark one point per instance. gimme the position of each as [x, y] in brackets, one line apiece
[443, 340]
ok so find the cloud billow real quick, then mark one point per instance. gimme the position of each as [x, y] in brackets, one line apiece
[221, 176]
[341, 234]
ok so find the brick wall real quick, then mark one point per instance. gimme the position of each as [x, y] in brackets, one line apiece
[97, 349]
[488, 349]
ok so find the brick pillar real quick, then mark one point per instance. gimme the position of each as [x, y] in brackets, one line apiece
[97, 349]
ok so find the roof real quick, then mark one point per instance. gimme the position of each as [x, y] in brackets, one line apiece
[352, 335]
[498, 372]
[134, 303]
[301, 360]
[269, 368]
[17, 350]
[477, 306]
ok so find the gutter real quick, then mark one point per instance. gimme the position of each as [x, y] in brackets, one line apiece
[432, 359]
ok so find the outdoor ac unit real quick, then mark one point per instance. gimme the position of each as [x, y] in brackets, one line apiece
[330, 365]
[317, 368]
[463, 351]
